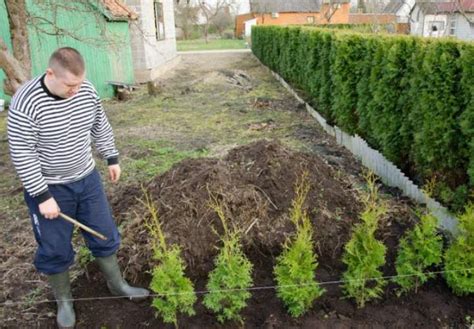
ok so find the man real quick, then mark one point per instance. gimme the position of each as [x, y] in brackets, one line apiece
[51, 122]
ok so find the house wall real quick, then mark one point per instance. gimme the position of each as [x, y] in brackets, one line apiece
[149, 54]
[463, 29]
[403, 13]
[416, 21]
[104, 45]
[340, 16]
[240, 24]
[248, 26]
[428, 22]
[372, 19]
[420, 25]
[286, 18]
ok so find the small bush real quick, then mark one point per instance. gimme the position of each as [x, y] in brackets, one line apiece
[175, 291]
[297, 264]
[459, 257]
[364, 254]
[419, 249]
[231, 278]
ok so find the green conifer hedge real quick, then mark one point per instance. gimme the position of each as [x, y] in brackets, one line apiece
[409, 97]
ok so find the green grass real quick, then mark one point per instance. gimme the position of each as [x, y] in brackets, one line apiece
[152, 158]
[200, 44]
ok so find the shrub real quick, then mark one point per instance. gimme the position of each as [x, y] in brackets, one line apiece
[175, 292]
[345, 72]
[231, 278]
[295, 268]
[439, 147]
[419, 249]
[467, 91]
[459, 257]
[410, 98]
[364, 254]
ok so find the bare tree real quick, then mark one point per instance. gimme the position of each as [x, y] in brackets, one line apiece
[222, 20]
[186, 16]
[211, 11]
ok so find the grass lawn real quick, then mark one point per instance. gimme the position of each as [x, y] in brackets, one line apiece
[200, 44]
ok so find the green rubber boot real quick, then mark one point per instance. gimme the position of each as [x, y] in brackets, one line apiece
[66, 318]
[115, 282]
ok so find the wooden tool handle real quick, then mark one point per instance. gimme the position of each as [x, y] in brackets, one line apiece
[84, 227]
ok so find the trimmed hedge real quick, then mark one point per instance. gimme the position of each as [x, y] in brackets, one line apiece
[411, 98]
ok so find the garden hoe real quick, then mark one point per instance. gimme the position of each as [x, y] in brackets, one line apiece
[84, 227]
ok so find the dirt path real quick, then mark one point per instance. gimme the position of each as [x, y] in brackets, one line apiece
[209, 104]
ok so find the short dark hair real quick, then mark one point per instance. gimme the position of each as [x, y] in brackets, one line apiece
[69, 59]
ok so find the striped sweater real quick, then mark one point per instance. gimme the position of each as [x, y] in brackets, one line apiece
[50, 137]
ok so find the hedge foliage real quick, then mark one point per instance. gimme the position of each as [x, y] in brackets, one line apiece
[411, 98]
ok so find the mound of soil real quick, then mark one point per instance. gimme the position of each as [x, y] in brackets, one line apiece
[256, 184]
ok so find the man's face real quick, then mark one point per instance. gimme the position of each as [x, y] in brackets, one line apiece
[64, 83]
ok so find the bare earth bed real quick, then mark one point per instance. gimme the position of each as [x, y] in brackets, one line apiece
[222, 125]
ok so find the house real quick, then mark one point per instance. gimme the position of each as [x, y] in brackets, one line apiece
[153, 38]
[289, 12]
[438, 19]
[99, 30]
[401, 9]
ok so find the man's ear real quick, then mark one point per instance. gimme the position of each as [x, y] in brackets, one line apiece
[49, 72]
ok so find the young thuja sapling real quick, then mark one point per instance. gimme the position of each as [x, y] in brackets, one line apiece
[231, 277]
[295, 267]
[459, 257]
[364, 254]
[419, 249]
[174, 291]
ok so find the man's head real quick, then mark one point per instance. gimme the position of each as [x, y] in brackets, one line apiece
[66, 72]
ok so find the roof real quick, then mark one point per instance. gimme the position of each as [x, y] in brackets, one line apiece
[393, 7]
[432, 8]
[117, 10]
[282, 6]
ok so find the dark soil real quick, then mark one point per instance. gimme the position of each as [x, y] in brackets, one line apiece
[256, 183]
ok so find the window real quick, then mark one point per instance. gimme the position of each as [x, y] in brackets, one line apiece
[452, 26]
[275, 15]
[159, 20]
[437, 26]
[310, 19]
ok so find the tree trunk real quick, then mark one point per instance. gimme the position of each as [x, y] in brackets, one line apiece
[13, 69]
[17, 66]
[206, 32]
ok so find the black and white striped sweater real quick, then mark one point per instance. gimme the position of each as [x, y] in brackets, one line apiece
[50, 137]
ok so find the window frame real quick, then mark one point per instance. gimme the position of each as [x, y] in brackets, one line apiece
[160, 31]
[452, 26]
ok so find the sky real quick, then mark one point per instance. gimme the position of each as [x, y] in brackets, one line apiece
[243, 6]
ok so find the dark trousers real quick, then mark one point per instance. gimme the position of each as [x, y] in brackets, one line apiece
[85, 201]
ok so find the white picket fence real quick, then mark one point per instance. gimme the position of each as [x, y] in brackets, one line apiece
[375, 161]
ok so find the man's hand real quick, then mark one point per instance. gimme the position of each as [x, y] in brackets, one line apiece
[114, 173]
[49, 209]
